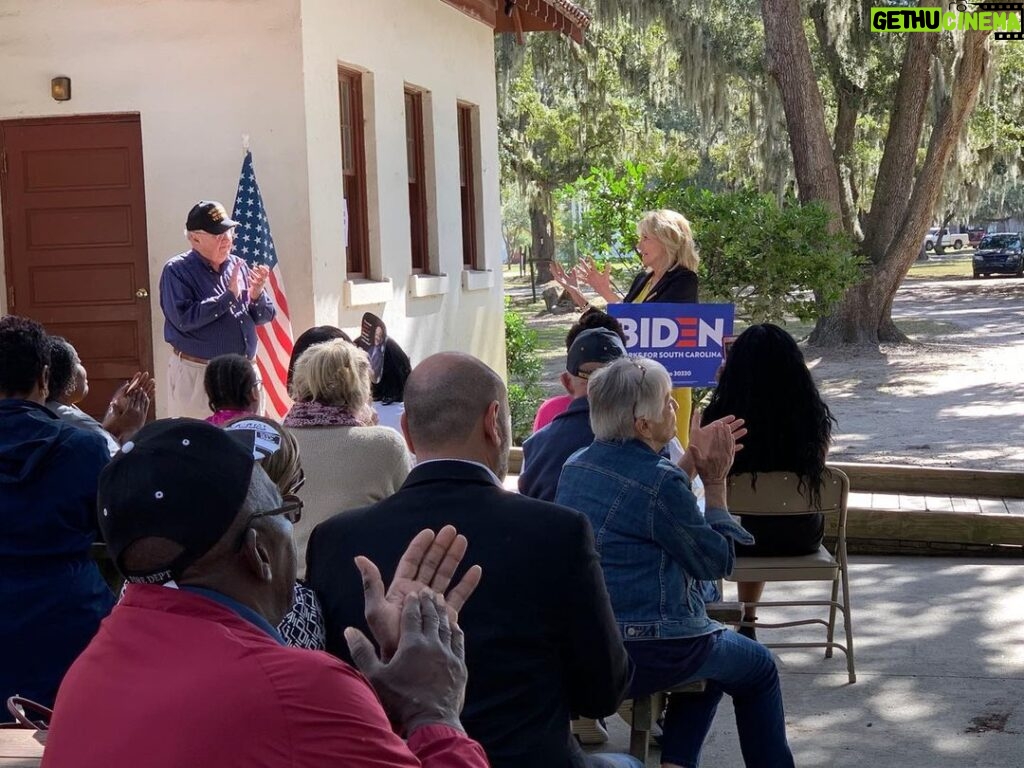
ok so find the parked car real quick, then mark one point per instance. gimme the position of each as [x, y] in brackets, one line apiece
[975, 235]
[955, 240]
[1000, 253]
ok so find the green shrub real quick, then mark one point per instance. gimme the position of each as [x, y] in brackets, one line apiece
[524, 369]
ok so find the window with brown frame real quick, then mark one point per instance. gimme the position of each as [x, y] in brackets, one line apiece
[467, 186]
[353, 169]
[417, 179]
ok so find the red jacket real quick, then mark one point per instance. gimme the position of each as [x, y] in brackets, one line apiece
[174, 680]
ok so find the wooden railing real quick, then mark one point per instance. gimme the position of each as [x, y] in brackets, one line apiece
[917, 508]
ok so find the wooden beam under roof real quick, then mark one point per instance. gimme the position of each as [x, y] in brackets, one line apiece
[519, 16]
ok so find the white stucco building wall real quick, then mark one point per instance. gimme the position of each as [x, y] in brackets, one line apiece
[201, 73]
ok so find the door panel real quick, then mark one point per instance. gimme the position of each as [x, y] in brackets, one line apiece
[74, 216]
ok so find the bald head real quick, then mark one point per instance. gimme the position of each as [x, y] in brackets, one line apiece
[447, 397]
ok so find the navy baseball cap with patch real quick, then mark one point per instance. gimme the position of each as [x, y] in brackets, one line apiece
[181, 480]
[595, 345]
[209, 216]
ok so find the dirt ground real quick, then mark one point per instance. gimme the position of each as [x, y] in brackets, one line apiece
[954, 397]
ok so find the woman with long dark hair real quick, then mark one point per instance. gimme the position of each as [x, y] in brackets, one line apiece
[766, 382]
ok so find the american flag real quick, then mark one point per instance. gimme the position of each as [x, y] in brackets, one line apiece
[254, 243]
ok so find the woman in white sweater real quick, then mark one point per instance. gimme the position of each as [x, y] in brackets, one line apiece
[349, 461]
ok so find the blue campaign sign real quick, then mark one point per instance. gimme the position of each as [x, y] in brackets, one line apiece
[685, 338]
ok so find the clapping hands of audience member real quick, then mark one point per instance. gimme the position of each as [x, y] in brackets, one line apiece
[711, 450]
[702, 437]
[429, 562]
[129, 406]
[424, 682]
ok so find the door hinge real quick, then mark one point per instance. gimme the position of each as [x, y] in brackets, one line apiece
[3, 162]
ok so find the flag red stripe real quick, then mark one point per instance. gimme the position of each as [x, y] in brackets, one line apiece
[284, 338]
[278, 286]
[280, 369]
[276, 403]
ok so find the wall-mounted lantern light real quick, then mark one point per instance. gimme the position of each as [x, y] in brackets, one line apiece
[60, 88]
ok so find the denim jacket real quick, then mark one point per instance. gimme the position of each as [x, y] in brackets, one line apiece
[656, 547]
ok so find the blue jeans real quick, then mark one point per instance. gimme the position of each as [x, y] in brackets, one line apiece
[745, 670]
[608, 760]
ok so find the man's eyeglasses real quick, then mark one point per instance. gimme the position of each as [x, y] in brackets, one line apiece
[291, 509]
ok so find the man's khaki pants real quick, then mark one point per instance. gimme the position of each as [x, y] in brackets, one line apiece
[186, 395]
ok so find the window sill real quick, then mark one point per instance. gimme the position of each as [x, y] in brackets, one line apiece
[362, 292]
[422, 285]
[477, 279]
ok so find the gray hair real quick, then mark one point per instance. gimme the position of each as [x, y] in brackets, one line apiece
[628, 389]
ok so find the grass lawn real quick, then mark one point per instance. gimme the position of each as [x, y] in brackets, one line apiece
[950, 265]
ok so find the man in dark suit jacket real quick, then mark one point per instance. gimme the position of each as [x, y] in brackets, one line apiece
[541, 639]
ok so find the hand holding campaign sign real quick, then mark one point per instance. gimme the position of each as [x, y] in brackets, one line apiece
[686, 338]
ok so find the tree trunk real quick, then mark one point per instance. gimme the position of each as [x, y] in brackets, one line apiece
[788, 60]
[896, 171]
[542, 231]
[864, 316]
[850, 96]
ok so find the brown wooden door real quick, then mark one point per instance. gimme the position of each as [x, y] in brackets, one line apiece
[74, 222]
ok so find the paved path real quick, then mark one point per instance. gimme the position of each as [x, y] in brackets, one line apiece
[940, 673]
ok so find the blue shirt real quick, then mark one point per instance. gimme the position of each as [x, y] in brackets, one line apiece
[546, 450]
[241, 609]
[202, 318]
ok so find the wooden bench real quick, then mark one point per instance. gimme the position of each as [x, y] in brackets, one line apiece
[21, 747]
[914, 507]
[909, 509]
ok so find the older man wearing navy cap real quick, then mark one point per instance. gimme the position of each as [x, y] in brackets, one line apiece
[545, 451]
[191, 672]
[212, 302]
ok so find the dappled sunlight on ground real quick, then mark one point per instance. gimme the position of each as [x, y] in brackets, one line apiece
[939, 646]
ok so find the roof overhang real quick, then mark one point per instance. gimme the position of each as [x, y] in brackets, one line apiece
[520, 16]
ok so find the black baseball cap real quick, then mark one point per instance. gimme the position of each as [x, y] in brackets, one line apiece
[594, 345]
[209, 216]
[183, 480]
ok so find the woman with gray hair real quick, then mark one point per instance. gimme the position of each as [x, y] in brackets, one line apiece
[657, 550]
[349, 461]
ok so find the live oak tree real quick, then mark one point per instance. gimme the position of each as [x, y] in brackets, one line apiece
[886, 130]
[906, 192]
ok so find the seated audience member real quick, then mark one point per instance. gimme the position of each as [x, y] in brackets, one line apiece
[545, 452]
[591, 318]
[52, 596]
[348, 461]
[389, 392]
[765, 381]
[657, 550]
[68, 385]
[193, 673]
[318, 334]
[541, 642]
[232, 387]
[278, 454]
